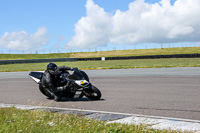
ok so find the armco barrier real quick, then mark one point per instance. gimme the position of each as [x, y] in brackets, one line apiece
[155, 57]
[36, 60]
[98, 58]
[89, 59]
[143, 57]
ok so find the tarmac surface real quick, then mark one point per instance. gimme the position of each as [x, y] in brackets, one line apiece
[165, 92]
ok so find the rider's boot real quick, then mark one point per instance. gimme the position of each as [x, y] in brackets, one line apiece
[55, 96]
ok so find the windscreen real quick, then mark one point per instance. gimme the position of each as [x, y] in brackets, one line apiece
[76, 75]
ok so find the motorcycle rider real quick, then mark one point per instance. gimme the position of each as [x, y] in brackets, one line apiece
[50, 79]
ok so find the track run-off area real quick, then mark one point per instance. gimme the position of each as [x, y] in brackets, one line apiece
[165, 92]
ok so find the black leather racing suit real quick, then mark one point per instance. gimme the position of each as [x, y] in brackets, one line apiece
[50, 81]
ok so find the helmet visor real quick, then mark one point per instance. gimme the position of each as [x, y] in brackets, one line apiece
[53, 72]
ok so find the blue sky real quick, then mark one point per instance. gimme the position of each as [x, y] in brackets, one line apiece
[83, 25]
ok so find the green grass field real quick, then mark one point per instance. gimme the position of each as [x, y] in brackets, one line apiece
[139, 52]
[14, 120]
[112, 64]
[32, 56]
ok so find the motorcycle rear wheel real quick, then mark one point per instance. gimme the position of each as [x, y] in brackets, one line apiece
[93, 93]
[44, 92]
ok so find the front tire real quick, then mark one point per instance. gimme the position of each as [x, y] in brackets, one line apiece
[93, 93]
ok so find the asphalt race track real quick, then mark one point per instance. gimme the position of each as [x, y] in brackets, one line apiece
[167, 92]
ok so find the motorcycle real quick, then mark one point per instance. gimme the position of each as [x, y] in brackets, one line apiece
[78, 84]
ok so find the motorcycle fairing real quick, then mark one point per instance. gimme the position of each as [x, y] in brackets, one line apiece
[81, 82]
[36, 76]
[35, 79]
[78, 93]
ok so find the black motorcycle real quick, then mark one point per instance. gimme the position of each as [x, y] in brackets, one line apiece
[78, 83]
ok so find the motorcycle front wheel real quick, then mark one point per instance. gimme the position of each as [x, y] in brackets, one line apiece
[93, 93]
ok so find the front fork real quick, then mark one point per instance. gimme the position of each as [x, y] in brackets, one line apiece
[87, 90]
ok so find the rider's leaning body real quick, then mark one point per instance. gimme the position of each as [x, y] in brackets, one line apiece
[50, 79]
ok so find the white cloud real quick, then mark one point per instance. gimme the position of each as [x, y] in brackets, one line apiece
[23, 40]
[142, 22]
[92, 30]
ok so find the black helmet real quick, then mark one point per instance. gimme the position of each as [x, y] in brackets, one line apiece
[51, 67]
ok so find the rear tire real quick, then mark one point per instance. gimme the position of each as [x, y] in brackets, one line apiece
[93, 93]
[44, 92]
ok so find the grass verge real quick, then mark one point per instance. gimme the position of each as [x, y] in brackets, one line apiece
[138, 52]
[112, 64]
[14, 120]
[32, 56]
